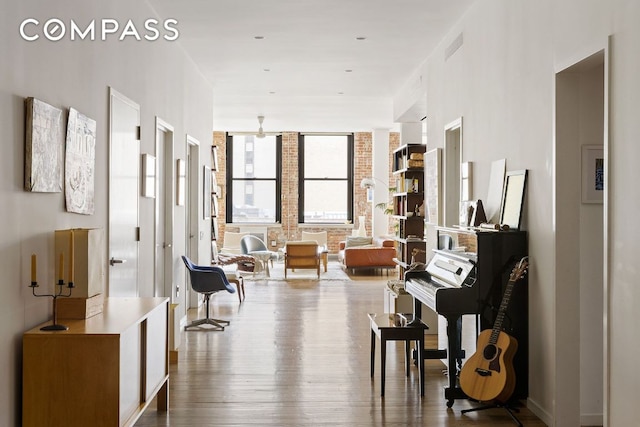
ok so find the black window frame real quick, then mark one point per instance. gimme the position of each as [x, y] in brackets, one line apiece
[230, 180]
[350, 179]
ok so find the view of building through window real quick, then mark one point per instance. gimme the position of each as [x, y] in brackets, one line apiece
[254, 179]
[326, 184]
[325, 171]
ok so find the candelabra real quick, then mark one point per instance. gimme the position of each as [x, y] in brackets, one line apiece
[55, 295]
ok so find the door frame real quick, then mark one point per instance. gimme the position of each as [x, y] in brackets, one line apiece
[193, 233]
[452, 182]
[567, 405]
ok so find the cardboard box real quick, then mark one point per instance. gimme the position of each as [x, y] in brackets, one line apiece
[89, 260]
[80, 308]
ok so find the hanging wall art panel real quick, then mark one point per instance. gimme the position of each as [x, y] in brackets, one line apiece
[44, 144]
[80, 163]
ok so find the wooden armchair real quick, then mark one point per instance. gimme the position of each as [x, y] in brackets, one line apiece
[303, 255]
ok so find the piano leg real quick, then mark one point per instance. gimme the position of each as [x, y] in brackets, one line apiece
[454, 353]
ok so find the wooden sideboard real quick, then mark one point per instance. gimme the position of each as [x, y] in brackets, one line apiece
[103, 371]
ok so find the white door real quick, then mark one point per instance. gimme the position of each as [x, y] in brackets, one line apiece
[124, 184]
[164, 210]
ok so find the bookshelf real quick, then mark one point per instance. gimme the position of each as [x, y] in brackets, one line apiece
[408, 204]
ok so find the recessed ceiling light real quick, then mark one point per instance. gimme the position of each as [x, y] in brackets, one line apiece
[340, 93]
[272, 93]
[258, 37]
[361, 38]
[348, 71]
[266, 69]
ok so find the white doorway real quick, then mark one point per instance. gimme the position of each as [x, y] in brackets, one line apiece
[191, 298]
[165, 179]
[452, 162]
[581, 122]
[124, 185]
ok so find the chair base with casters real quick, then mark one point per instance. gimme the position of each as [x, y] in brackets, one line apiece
[218, 324]
[207, 281]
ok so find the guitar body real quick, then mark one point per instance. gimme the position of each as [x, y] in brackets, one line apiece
[489, 375]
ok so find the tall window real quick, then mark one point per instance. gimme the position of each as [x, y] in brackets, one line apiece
[253, 173]
[326, 178]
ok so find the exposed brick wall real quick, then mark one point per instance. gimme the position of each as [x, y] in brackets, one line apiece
[289, 230]
[220, 140]
[363, 168]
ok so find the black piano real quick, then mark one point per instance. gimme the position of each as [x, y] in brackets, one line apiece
[456, 283]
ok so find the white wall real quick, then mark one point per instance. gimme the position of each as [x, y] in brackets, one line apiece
[157, 75]
[502, 82]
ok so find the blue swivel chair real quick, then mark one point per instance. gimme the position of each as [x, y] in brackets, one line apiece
[207, 281]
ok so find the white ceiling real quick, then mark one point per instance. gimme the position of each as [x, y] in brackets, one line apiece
[296, 75]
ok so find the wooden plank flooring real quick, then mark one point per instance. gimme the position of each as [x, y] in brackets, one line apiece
[297, 354]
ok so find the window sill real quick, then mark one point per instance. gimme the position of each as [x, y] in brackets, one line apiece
[325, 225]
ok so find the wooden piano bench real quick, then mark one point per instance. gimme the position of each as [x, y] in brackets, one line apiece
[392, 327]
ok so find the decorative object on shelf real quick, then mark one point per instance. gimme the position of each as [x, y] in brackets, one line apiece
[55, 326]
[148, 176]
[592, 173]
[472, 213]
[362, 231]
[181, 176]
[515, 186]
[80, 163]
[44, 147]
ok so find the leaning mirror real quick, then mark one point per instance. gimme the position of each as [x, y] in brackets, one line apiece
[515, 185]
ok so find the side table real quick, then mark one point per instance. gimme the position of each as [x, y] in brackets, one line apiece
[387, 328]
[264, 257]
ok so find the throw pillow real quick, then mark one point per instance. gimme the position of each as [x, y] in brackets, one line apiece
[353, 241]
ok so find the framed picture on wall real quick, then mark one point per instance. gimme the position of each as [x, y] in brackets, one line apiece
[592, 173]
[181, 176]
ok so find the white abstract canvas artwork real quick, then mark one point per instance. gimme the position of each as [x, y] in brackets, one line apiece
[44, 147]
[80, 163]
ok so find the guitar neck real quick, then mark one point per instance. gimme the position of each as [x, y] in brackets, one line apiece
[497, 326]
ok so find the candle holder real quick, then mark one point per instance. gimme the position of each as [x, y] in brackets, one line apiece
[55, 326]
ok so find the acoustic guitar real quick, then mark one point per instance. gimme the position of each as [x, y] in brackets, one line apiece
[488, 375]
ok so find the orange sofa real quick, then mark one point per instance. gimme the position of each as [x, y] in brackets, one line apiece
[361, 252]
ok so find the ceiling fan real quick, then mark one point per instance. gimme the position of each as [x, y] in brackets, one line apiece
[260, 133]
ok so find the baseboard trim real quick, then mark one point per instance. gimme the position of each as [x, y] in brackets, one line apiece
[591, 419]
[540, 412]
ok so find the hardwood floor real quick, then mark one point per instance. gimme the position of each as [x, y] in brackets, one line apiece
[297, 354]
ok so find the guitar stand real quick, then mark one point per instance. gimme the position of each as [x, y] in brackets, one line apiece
[506, 407]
